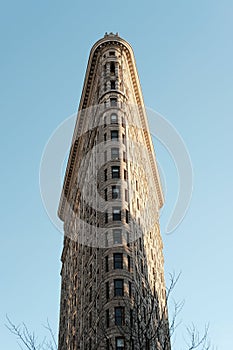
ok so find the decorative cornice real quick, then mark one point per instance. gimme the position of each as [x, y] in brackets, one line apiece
[108, 40]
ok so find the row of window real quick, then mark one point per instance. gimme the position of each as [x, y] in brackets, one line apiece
[114, 136]
[116, 193]
[119, 289]
[116, 215]
[112, 68]
[115, 173]
[113, 120]
[119, 316]
[112, 85]
[117, 262]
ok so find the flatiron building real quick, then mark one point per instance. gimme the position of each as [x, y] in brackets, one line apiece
[113, 292]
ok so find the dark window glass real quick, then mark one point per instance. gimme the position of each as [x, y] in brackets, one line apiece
[112, 67]
[111, 53]
[125, 174]
[105, 174]
[124, 156]
[116, 192]
[115, 172]
[106, 217]
[119, 316]
[118, 260]
[114, 153]
[105, 156]
[113, 85]
[107, 290]
[113, 102]
[131, 318]
[130, 289]
[118, 287]
[116, 214]
[117, 237]
[114, 118]
[123, 138]
[106, 263]
[129, 262]
[127, 216]
[107, 318]
[106, 194]
[120, 343]
[114, 135]
[105, 137]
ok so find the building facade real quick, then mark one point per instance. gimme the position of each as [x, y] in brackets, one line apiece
[113, 291]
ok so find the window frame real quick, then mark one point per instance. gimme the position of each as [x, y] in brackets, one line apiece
[118, 261]
[115, 170]
[117, 236]
[119, 317]
[119, 290]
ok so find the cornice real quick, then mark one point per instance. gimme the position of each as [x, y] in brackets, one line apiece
[108, 40]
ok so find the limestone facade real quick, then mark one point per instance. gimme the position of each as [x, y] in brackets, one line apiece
[113, 291]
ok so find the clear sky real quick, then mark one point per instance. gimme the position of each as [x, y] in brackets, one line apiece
[184, 56]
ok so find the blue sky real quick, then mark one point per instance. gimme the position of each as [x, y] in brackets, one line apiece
[184, 56]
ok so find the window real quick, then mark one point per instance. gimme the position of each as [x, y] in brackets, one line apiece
[106, 217]
[105, 138]
[117, 237]
[120, 343]
[105, 87]
[129, 262]
[137, 203]
[123, 138]
[130, 289]
[125, 174]
[127, 216]
[107, 290]
[124, 156]
[115, 172]
[118, 260]
[116, 214]
[114, 153]
[111, 53]
[116, 192]
[142, 266]
[118, 287]
[106, 194]
[136, 185]
[114, 118]
[113, 85]
[112, 67]
[119, 316]
[107, 318]
[105, 156]
[90, 295]
[126, 195]
[106, 263]
[105, 175]
[113, 102]
[114, 135]
[127, 238]
[105, 121]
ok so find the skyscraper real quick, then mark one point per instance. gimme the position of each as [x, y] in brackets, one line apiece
[113, 291]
